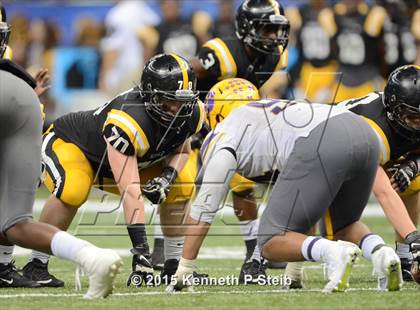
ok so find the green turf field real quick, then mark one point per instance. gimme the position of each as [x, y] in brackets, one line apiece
[362, 294]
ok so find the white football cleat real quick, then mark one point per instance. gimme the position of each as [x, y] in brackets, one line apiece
[387, 267]
[102, 266]
[339, 261]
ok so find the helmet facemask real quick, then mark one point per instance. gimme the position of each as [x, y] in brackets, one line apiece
[160, 103]
[405, 119]
[259, 35]
[4, 37]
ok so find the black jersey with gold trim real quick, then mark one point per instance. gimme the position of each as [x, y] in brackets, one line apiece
[357, 40]
[401, 40]
[227, 58]
[126, 125]
[313, 40]
[371, 108]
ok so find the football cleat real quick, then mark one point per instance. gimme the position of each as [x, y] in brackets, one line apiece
[387, 267]
[158, 255]
[10, 278]
[252, 272]
[339, 261]
[102, 266]
[37, 271]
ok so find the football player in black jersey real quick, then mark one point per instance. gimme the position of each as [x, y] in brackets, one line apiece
[257, 54]
[137, 144]
[394, 115]
[356, 33]
[401, 33]
[316, 67]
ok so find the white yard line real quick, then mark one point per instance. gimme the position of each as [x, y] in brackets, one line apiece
[229, 292]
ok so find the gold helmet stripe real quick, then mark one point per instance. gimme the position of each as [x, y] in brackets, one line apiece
[275, 6]
[184, 70]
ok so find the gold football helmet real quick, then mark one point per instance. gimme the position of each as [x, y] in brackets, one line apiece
[226, 96]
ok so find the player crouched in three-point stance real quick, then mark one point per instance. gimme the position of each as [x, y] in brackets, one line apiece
[20, 166]
[394, 115]
[139, 137]
[327, 157]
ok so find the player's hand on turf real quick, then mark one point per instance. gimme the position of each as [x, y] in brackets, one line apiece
[142, 273]
[183, 277]
[158, 188]
[42, 79]
[402, 174]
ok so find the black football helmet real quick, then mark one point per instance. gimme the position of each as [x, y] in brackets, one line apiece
[256, 17]
[169, 78]
[4, 31]
[402, 100]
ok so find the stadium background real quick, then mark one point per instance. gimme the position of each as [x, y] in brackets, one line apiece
[68, 38]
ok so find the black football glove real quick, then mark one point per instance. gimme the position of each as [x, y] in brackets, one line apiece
[403, 173]
[413, 240]
[142, 273]
[158, 188]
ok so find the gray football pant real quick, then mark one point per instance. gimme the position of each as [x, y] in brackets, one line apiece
[332, 169]
[20, 149]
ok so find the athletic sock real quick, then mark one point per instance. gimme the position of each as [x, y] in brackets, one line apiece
[369, 243]
[251, 245]
[137, 233]
[43, 257]
[173, 247]
[256, 255]
[157, 228]
[66, 246]
[294, 270]
[6, 252]
[249, 231]
[314, 248]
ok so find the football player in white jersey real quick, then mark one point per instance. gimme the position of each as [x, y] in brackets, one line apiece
[327, 157]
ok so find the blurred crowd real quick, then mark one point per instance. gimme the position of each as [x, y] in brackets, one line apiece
[351, 43]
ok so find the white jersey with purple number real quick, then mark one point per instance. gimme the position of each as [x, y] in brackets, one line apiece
[262, 134]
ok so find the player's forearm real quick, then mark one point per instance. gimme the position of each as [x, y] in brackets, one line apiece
[392, 204]
[195, 234]
[179, 158]
[396, 213]
[133, 205]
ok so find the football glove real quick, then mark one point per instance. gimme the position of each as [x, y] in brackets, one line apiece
[183, 277]
[158, 188]
[142, 273]
[413, 240]
[403, 173]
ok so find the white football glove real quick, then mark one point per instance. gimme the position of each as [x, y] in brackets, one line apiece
[183, 277]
